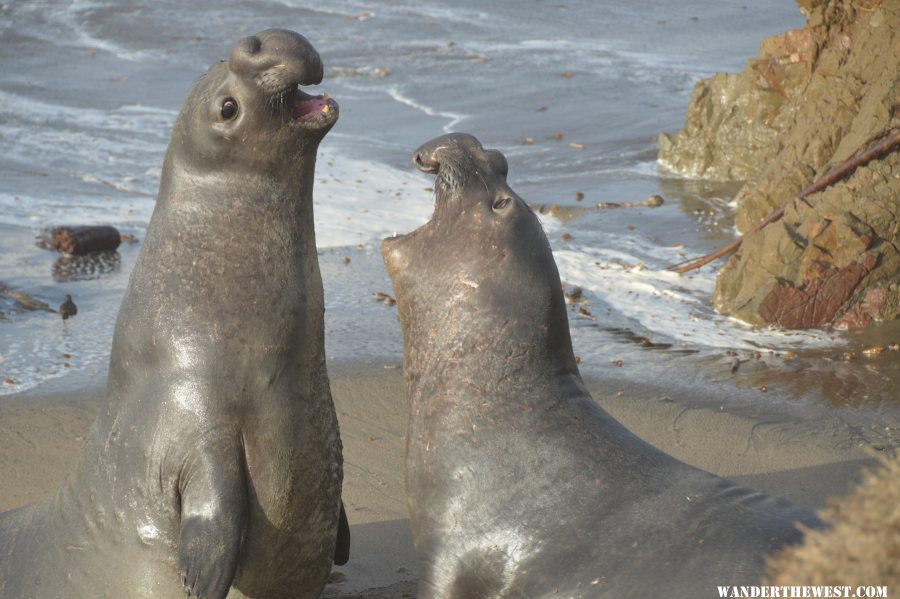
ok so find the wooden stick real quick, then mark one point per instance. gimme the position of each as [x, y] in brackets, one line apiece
[864, 155]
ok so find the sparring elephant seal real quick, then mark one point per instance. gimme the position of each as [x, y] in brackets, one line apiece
[215, 467]
[518, 483]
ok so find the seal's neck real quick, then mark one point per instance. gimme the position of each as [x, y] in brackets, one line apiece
[230, 252]
[475, 358]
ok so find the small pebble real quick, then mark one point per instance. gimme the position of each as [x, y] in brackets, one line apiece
[579, 196]
[389, 301]
[763, 388]
[735, 364]
[346, 259]
[574, 295]
[558, 136]
[654, 201]
[619, 362]
[566, 236]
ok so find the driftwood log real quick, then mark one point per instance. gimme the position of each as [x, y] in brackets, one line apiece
[85, 239]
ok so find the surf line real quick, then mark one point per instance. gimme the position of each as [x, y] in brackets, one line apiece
[453, 117]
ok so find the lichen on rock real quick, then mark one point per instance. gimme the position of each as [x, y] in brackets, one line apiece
[808, 101]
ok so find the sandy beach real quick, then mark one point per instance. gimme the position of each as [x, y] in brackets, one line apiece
[804, 455]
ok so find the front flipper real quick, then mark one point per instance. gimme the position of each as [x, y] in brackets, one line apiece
[342, 548]
[213, 516]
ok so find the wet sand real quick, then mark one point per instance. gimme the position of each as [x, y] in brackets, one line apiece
[805, 456]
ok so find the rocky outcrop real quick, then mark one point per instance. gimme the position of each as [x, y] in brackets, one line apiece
[808, 101]
[862, 547]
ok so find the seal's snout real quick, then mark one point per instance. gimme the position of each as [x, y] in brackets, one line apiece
[277, 50]
[456, 148]
[426, 162]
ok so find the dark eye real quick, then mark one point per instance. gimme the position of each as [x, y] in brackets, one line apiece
[501, 203]
[229, 108]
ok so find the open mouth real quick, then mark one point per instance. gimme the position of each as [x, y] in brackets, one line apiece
[311, 110]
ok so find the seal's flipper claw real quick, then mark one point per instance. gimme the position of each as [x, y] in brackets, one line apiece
[342, 548]
[213, 516]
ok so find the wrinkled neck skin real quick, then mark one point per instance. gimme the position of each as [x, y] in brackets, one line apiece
[476, 333]
[270, 220]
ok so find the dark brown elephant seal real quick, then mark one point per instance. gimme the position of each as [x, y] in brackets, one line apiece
[518, 483]
[216, 464]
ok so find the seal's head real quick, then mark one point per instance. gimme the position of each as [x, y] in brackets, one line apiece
[248, 112]
[483, 253]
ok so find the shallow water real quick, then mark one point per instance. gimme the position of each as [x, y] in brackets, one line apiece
[89, 90]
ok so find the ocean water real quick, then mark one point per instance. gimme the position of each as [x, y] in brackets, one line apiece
[573, 92]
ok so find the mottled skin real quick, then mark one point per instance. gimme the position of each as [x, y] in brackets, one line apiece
[518, 483]
[216, 462]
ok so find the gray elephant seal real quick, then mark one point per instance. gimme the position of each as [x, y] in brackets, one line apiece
[216, 465]
[518, 483]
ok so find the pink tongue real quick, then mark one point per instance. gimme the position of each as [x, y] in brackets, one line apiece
[306, 108]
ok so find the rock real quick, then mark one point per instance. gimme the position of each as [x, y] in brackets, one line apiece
[821, 264]
[715, 146]
[808, 101]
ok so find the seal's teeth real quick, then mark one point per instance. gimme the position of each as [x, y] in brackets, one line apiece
[325, 108]
[325, 95]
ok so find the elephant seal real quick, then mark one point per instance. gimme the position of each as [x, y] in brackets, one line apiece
[215, 467]
[518, 483]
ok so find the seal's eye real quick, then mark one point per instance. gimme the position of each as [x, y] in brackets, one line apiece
[229, 108]
[501, 203]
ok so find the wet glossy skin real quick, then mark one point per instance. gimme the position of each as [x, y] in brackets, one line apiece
[518, 483]
[217, 460]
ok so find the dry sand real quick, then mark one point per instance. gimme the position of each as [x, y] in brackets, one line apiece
[805, 460]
